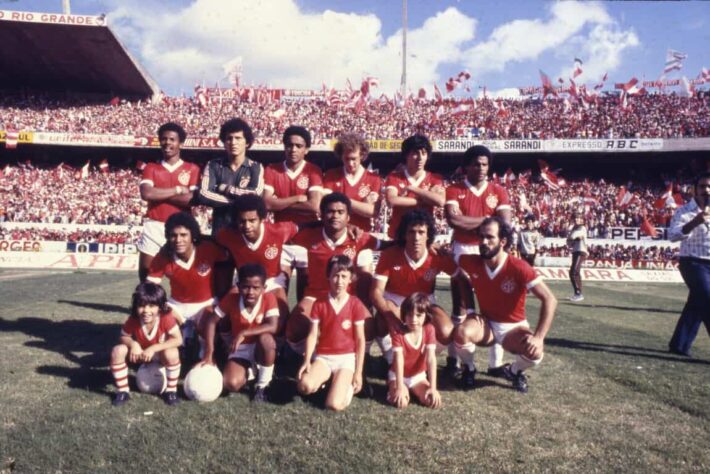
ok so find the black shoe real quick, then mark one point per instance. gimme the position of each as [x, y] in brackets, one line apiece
[366, 391]
[675, 351]
[120, 399]
[260, 395]
[171, 398]
[468, 378]
[498, 372]
[520, 380]
[452, 369]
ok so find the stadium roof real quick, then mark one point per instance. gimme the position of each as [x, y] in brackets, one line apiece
[72, 53]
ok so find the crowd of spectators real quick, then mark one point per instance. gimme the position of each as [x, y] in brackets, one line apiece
[647, 116]
[618, 252]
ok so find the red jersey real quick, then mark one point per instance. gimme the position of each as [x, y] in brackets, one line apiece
[191, 281]
[500, 292]
[134, 328]
[266, 251]
[320, 248]
[474, 202]
[232, 305]
[414, 356]
[336, 324]
[399, 181]
[285, 183]
[163, 175]
[365, 185]
[409, 276]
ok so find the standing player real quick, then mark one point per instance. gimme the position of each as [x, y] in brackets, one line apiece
[292, 191]
[406, 268]
[188, 262]
[501, 282]
[467, 203]
[577, 243]
[232, 175]
[150, 332]
[336, 341]
[168, 187]
[529, 239]
[413, 187]
[253, 314]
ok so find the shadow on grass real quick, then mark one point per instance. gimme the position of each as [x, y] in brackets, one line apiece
[634, 351]
[84, 343]
[623, 308]
[108, 308]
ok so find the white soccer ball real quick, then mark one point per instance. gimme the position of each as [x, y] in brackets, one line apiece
[151, 378]
[203, 383]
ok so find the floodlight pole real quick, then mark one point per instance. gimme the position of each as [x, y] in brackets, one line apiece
[403, 86]
[66, 8]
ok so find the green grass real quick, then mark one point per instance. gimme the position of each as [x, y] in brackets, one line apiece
[607, 397]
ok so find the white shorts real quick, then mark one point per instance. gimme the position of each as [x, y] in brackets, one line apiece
[278, 281]
[294, 256]
[152, 238]
[245, 352]
[501, 329]
[190, 311]
[338, 362]
[409, 382]
[398, 299]
[464, 249]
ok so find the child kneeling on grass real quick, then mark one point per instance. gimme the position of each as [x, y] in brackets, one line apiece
[414, 363]
[336, 342]
[150, 332]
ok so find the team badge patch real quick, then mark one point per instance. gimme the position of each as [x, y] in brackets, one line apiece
[184, 177]
[430, 274]
[244, 182]
[508, 286]
[363, 192]
[492, 201]
[203, 269]
[346, 324]
[271, 252]
[302, 182]
[349, 252]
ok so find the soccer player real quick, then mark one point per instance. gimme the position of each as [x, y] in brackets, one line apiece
[254, 315]
[232, 175]
[577, 243]
[335, 346]
[292, 191]
[529, 240]
[414, 365]
[501, 282]
[468, 202]
[406, 268]
[413, 187]
[188, 262]
[150, 332]
[168, 187]
[322, 243]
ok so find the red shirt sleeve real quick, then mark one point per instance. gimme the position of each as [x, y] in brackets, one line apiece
[168, 321]
[429, 335]
[228, 303]
[317, 311]
[446, 264]
[452, 193]
[503, 197]
[329, 180]
[384, 264]
[194, 175]
[157, 266]
[315, 177]
[437, 180]
[303, 237]
[286, 230]
[269, 176]
[397, 339]
[270, 305]
[360, 313]
[129, 326]
[215, 252]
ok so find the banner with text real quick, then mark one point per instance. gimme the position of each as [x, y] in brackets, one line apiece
[553, 146]
[52, 18]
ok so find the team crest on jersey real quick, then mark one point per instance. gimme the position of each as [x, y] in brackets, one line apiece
[462, 196]
[396, 268]
[346, 324]
[302, 182]
[203, 269]
[364, 191]
[244, 182]
[492, 201]
[271, 252]
[184, 177]
[349, 252]
[430, 274]
[508, 286]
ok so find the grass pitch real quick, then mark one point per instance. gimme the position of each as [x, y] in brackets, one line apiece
[607, 397]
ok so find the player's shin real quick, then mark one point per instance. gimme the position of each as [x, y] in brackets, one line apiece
[523, 363]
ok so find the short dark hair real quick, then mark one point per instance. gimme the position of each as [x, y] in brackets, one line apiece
[236, 125]
[183, 219]
[172, 127]
[703, 175]
[504, 229]
[476, 151]
[149, 293]
[415, 217]
[349, 142]
[252, 270]
[414, 143]
[416, 302]
[339, 263]
[297, 130]
[335, 197]
[249, 202]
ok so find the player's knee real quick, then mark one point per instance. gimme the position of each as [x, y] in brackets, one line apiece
[171, 356]
[233, 383]
[336, 405]
[119, 353]
[267, 343]
[306, 387]
[460, 334]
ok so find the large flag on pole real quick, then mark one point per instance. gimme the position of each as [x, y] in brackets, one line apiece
[674, 61]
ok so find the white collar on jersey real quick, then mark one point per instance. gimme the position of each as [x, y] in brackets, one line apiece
[172, 167]
[358, 175]
[186, 265]
[250, 315]
[337, 306]
[418, 263]
[150, 335]
[292, 174]
[415, 182]
[257, 244]
[476, 191]
[494, 273]
[333, 244]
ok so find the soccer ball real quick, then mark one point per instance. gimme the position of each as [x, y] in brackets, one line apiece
[151, 378]
[203, 383]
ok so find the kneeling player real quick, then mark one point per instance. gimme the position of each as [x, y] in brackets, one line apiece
[414, 363]
[150, 332]
[335, 346]
[254, 316]
[501, 282]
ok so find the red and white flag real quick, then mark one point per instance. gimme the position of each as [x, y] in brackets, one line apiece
[669, 199]
[11, 139]
[455, 82]
[600, 84]
[686, 88]
[103, 166]
[674, 61]
[648, 228]
[461, 109]
[705, 74]
[549, 177]
[547, 87]
[625, 198]
[577, 68]
[437, 94]
[83, 173]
